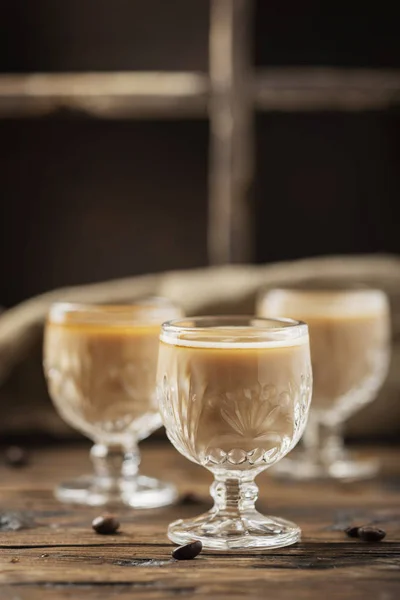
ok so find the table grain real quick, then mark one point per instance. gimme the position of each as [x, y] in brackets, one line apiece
[57, 555]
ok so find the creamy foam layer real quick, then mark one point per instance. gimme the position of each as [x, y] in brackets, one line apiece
[110, 329]
[116, 316]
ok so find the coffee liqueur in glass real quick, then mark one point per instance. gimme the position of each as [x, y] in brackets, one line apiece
[234, 397]
[350, 345]
[100, 363]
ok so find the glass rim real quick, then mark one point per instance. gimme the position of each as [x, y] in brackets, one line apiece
[231, 330]
[323, 286]
[156, 308]
[320, 302]
[374, 297]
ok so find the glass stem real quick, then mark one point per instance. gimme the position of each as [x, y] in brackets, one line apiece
[233, 496]
[115, 463]
[323, 442]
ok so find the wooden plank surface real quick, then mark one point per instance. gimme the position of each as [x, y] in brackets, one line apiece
[58, 555]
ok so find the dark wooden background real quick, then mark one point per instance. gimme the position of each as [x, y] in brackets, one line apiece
[85, 200]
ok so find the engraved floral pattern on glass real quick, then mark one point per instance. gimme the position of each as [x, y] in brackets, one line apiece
[119, 397]
[181, 408]
[262, 422]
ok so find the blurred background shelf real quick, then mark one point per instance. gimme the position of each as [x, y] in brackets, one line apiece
[106, 95]
[326, 89]
[165, 136]
[163, 94]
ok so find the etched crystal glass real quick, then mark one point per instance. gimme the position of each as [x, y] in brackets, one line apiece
[100, 363]
[349, 332]
[234, 396]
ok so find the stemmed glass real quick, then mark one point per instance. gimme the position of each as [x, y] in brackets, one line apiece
[349, 333]
[234, 397]
[100, 363]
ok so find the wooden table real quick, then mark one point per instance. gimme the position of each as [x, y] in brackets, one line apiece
[58, 555]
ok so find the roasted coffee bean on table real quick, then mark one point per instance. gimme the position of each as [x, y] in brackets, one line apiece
[105, 524]
[371, 534]
[352, 532]
[188, 551]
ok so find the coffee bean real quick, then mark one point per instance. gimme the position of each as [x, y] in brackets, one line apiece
[105, 525]
[190, 499]
[14, 560]
[352, 532]
[371, 534]
[188, 551]
[15, 456]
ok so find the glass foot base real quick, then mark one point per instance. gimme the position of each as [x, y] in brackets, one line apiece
[143, 492]
[302, 469]
[251, 531]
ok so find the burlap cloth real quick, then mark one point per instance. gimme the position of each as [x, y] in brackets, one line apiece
[25, 404]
